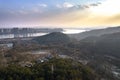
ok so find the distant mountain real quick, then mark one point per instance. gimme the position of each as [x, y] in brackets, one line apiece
[102, 53]
[108, 44]
[53, 38]
[97, 32]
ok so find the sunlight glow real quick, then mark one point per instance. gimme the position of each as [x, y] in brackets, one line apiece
[108, 7]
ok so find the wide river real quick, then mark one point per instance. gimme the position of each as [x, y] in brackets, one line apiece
[66, 31]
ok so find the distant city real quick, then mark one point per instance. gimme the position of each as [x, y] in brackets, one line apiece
[28, 30]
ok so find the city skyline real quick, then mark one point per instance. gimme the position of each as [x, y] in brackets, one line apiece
[60, 13]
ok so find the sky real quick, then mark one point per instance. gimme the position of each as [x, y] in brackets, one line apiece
[60, 13]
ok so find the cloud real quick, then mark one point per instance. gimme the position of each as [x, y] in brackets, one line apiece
[115, 19]
[95, 4]
[106, 13]
[90, 5]
[36, 10]
[22, 12]
[43, 5]
[107, 7]
[59, 6]
[81, 18]
[65, 5]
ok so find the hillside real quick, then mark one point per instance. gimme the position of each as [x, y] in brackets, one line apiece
[53, 38]
[94, 33]
[54, 69]
[102, 54]
[108, 44]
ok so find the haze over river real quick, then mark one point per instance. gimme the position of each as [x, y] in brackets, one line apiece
[66, 31]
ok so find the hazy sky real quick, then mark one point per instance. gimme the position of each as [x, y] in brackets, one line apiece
[60, 13]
